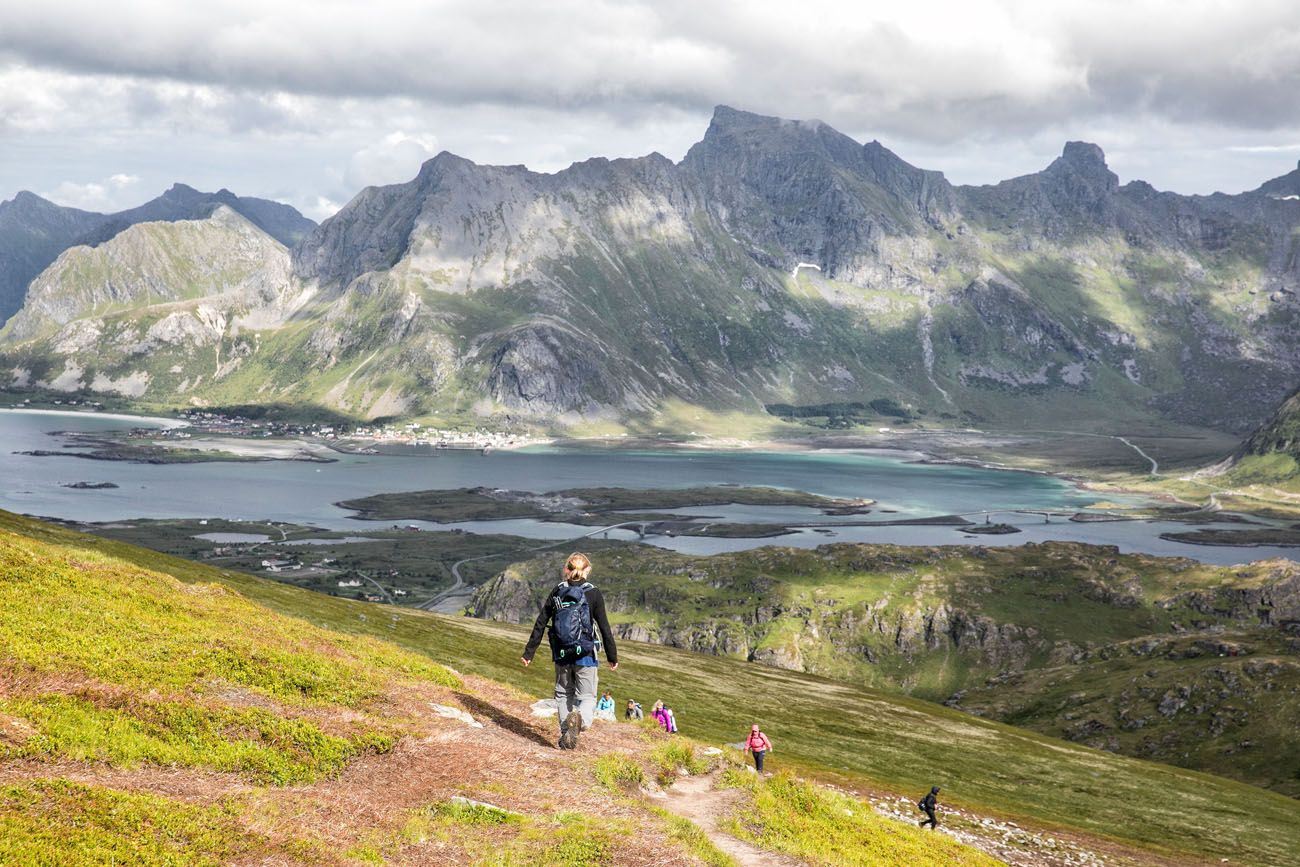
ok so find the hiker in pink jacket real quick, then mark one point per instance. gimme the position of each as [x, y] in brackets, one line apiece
[758, 744]
[664, 717]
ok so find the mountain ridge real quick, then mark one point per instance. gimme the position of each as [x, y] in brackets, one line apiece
[779, 259]
[35, 231]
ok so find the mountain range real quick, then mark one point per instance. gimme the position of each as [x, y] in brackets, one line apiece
[34, 231]
[780, 262]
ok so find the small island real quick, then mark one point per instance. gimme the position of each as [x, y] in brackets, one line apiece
[89, 486]
[587, 506]
[990, 529]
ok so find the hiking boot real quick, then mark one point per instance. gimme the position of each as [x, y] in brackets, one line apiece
[569, 732]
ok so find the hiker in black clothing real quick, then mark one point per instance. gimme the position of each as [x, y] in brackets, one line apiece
[571, 610]
[928, 803]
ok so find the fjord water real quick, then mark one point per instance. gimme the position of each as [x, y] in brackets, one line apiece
[305, 492]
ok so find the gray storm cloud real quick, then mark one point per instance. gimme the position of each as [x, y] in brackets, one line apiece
[546, 82]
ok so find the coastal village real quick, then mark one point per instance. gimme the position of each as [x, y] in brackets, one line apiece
[343, 436]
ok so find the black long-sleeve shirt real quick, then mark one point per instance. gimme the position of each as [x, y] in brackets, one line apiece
[595, 602]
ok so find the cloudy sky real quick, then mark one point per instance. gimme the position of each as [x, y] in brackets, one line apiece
[103, 105]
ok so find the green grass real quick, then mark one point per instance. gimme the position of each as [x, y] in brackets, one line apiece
[867, 737]
[820, 826]
[461, 813]
[44, 822]
[674, 756]
[564, 839]
[617, 772]
[251, 741]
[100, 617]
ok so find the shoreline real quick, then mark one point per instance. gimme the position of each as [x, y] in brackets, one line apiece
[810, 444]
[167, 423]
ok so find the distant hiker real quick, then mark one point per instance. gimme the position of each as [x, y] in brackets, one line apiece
[634, 711]
[570, 610]
[605, 707]
[758, 744]
[664, 716]
[928, 803]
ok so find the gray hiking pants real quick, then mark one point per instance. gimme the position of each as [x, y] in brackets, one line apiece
[575, 689]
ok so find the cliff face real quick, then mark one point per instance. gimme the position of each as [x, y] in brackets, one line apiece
[783, 262]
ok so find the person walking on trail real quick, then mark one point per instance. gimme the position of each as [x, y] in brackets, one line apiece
[928, 803]
[574, 610]
[758, 744]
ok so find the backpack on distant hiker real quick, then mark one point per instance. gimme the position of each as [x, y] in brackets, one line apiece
[572, 636]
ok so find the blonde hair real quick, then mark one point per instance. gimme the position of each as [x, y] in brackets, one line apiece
[577, 564]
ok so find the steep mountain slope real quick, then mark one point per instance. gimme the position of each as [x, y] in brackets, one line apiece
[160, 304]
[33, 232]
[783, 262]
[1273, 450]
[138, 650]
[1195, 665]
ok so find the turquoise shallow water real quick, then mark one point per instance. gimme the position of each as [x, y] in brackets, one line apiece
[305, 492]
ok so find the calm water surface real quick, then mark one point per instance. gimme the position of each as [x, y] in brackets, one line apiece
[306, 492]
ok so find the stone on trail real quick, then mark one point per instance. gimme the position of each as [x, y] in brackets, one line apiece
[456, 714]
[545, 707]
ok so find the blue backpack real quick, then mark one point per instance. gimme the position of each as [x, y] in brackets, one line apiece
[571, 634]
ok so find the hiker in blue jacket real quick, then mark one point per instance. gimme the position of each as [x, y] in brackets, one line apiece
[572, 609]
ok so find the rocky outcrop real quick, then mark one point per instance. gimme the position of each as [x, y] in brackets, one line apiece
[1273, 602]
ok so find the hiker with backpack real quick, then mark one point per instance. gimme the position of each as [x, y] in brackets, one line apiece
[634, 711]
[927, 804]
[758, 744]
[574, 610]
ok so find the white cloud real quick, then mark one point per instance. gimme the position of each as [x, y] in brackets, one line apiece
[322, 209]
[1266, 149]
[391, 160]
[110, 194]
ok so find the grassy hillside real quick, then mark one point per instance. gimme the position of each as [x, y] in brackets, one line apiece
[867, 739]
[154, 721]
[1140, 639]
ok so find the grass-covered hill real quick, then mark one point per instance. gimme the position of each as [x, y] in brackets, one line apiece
[1162, 658]
[160, 711]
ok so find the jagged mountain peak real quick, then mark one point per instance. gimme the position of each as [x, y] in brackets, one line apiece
[1086, 162]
